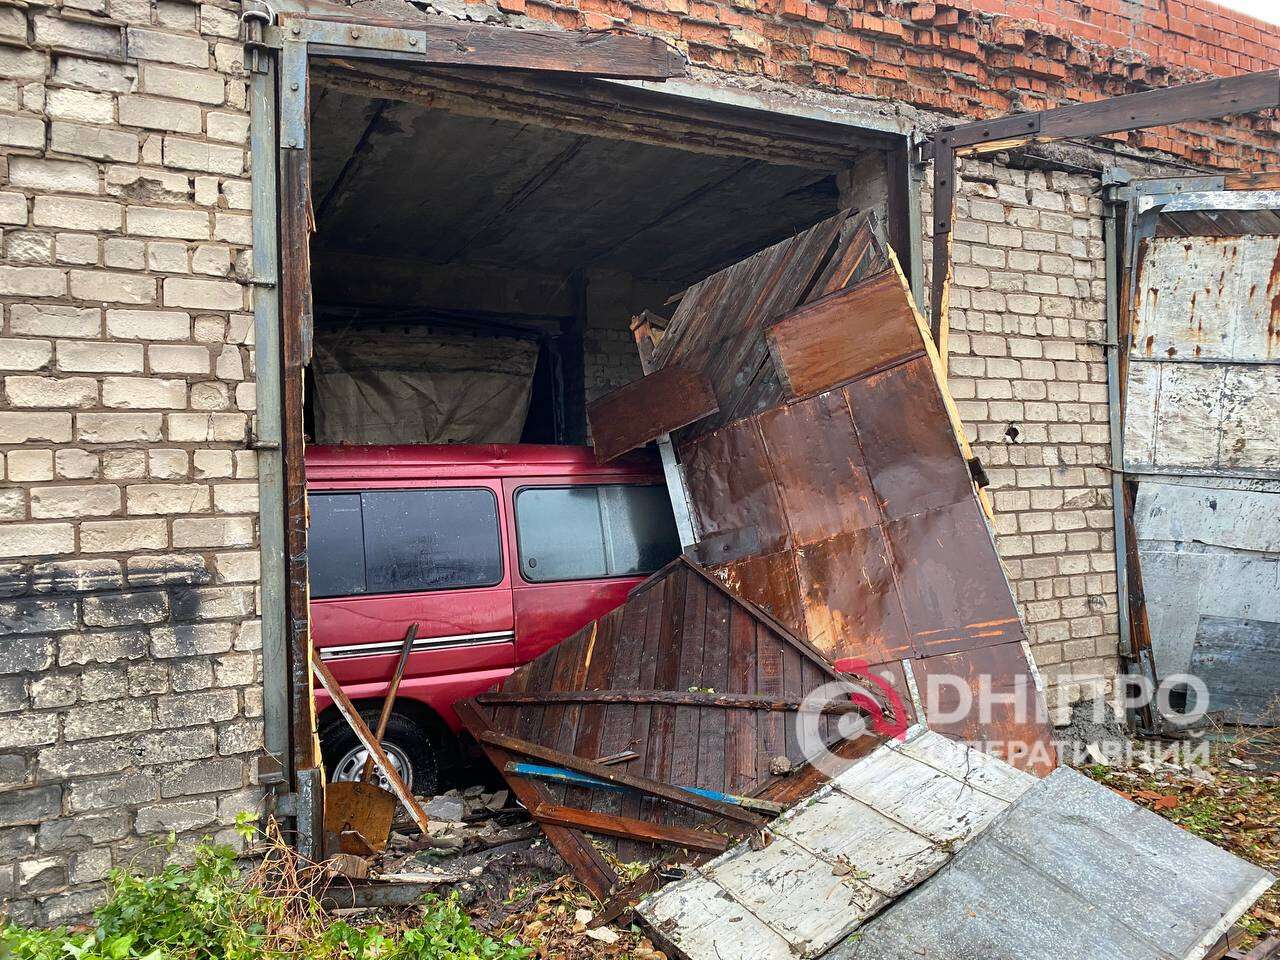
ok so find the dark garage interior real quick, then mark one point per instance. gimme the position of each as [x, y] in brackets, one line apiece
[475, 275]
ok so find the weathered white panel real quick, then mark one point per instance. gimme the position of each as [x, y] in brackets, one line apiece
[1250, 438]
[879, 829]
[699, 918]
[1198, 517]
[1203, 391]
[809, 902]
[1208, 298]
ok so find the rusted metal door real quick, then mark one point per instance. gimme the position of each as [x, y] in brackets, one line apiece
[1201, 433]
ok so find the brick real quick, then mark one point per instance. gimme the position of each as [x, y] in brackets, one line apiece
[168, 47]
[21, 131]
[100, 143]
[34, 805]
[24, 427]
[103, 41]
[124, 254]
[75, 464]
[149, 325]
[51, 391]
[25, 354]
[78, 356]
[125, 609]
[82, 105]
[192, 640]
[203, 294]
[124, 789]
[154, 114]
[106, 287]
[144, 393]
[123, 536]
[212, 532]
[206, 427]
[236, 498]
[78, 248]
[77, 214]
[159, 222]
[32, 282]
[19, 64]
[98, 500]
[177, 816]
[193, 709]
[13, 209]
[202, 87]
[29, 730]
[179, 359]
[162, 498]
[231, 127]
[198, 155]
[101, 647]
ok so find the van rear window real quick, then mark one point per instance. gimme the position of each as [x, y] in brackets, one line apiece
[592, 532]
[403, 541]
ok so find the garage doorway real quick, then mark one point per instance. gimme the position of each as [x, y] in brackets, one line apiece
[487, 234]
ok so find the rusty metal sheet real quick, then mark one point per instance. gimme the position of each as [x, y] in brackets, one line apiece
[850, 598]
[954, 593]
[769, 581]
[830, 341]
[731, 487]
[1013, 727]
[911, 453]
[1204, 356]
[645, 409]
[817, 464]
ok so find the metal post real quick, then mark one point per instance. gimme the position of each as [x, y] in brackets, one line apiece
[267, 431]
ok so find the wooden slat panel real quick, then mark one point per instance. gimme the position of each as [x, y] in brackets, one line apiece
[740, 740]
[845, 335]
[715, 675]
[857, 257]
[645, 409]
[684, 763]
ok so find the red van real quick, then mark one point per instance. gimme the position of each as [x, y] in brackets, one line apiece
[497, 552]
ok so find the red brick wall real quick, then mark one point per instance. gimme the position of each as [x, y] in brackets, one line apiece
[971, 58]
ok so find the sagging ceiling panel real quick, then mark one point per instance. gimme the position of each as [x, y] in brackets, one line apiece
[400, 179]
[831, 488]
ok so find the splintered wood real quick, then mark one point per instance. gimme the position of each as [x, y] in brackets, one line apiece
[700, 687]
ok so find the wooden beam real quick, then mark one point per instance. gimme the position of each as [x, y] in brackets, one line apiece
[654, 788]
[588, 864]
[627, 828]
[366, 737]
[595, 53]
[645, 409]
[727, 701]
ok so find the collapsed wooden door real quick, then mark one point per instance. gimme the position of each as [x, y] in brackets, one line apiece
[830, 478]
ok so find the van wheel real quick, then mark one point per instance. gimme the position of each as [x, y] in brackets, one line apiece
[409, 748]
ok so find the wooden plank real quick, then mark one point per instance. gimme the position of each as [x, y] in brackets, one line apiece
[854, 258]
[366, 737]
[645, 409]
[588, 864]
[593, 52]
[615, 826]
[843, 336]
[727, 701]
[740, 739]
[653, 788]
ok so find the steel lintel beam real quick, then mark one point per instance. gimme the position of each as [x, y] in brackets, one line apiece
[1206, 100]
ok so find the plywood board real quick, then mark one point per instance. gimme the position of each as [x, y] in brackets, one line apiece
[645, 409]
[1070, 870]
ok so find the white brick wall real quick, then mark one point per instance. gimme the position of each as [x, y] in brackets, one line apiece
[1028, 374]
[129, 678]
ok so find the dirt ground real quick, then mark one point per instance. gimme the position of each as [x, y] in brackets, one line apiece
[513, 883]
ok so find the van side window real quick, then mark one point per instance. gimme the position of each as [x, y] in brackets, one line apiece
[590, 532]
[403, 541]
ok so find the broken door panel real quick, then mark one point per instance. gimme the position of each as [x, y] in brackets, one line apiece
[818, 466]
[643, 411]
[954, 594]
[906, 437]
[850, 513]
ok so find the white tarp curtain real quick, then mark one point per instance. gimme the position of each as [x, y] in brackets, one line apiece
[390, 385]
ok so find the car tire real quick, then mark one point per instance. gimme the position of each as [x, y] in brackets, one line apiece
[407, 743]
